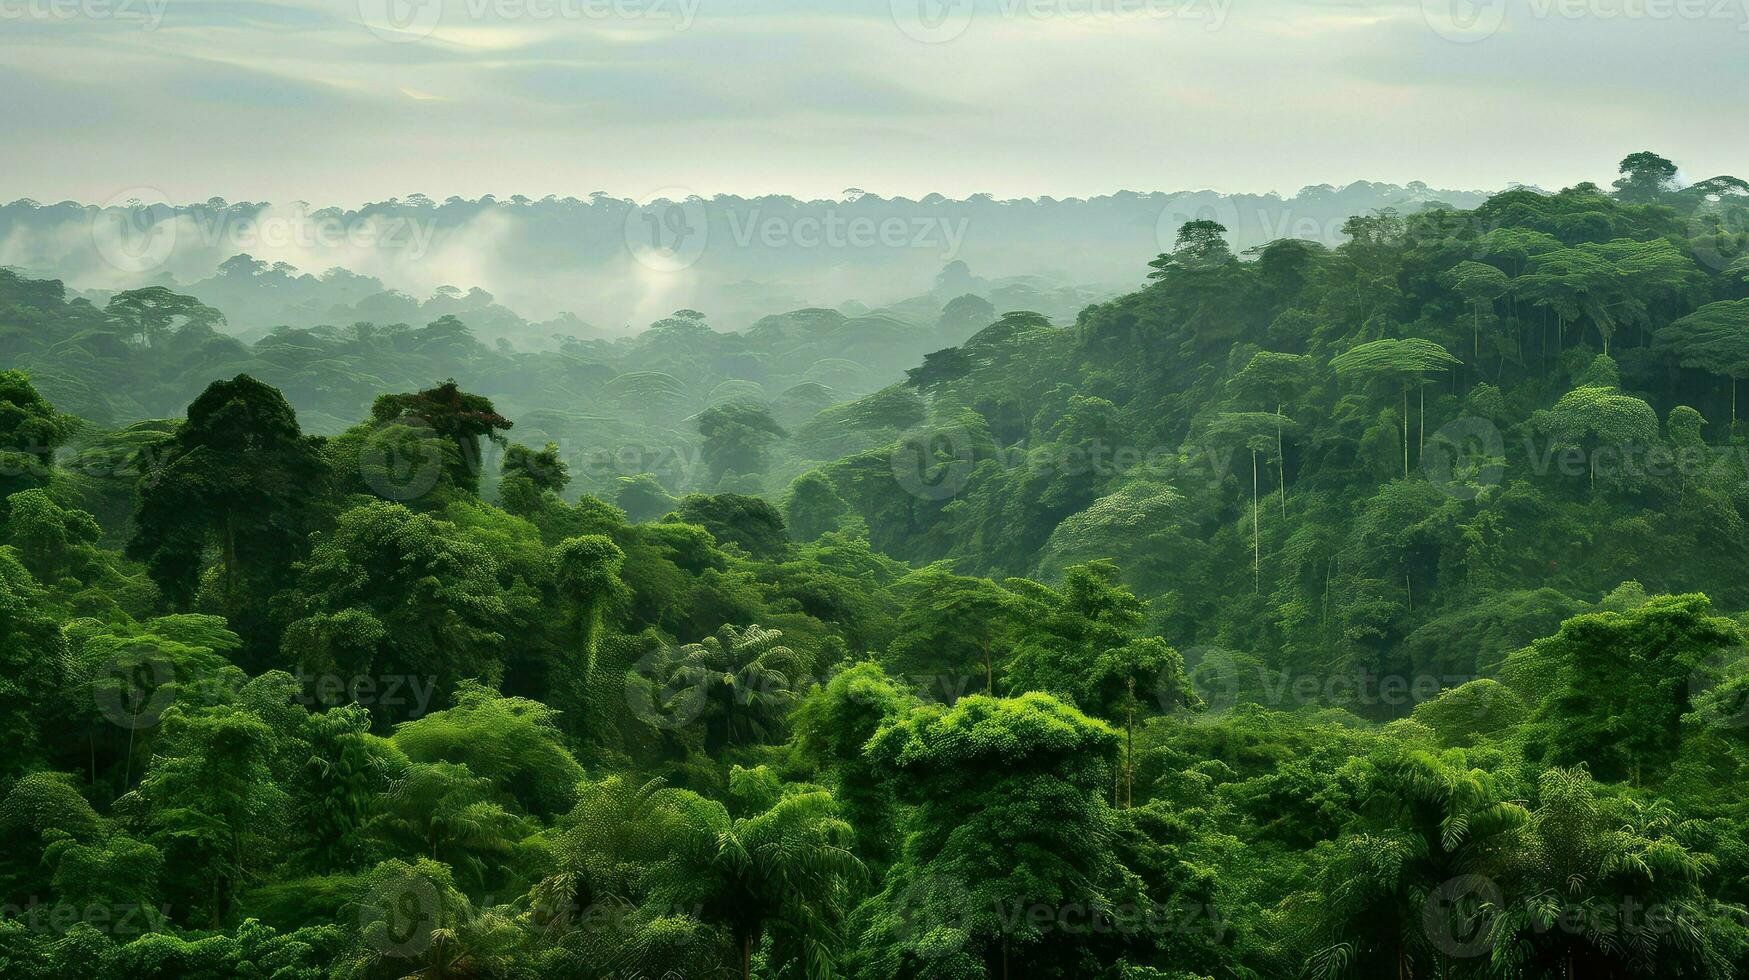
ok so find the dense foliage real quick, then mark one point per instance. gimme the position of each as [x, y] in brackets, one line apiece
[1368, 611]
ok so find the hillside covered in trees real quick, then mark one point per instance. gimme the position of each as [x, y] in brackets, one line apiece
[1374, 610]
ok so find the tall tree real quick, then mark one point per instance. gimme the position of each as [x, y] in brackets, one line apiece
[1715, 339]
[240, 478]
[1645, 176]
[1272, 378]
[1394, 363]
[453, 414]
[1477, 283]
[1009, 815]
[1594, 418]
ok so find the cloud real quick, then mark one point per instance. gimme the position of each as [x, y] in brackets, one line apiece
[300, 99]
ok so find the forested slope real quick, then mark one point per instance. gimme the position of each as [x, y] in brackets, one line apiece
[1368, 611]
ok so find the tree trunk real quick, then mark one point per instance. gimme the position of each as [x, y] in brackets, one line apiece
[1421, 414]
[1280, 461]
[1256, 552]
[747, 956]
[1129, 762]
[1405, 432]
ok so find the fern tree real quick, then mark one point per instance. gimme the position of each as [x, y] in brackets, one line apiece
[1431, 822]
[788, 873]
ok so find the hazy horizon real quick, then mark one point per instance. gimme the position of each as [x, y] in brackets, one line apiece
[330, 101]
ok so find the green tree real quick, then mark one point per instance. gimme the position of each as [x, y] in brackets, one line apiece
[513, 742]
[1612, 891]
[1252, 430]
[1610, 689]
[954, 623]
[832, 726]
[1715, 339]
[643, 498]
[737, 437]
[1395, 363]
[51, 540]
[1158, 670]
[743, 683]
[210, 804]
[155, 313]
[1477, 283]
[1201, 244]
[452, 414]
[1593, 419]
[812, 506]
[30, 432]
[1008, 815]
[239, 478]
[390, 593]
[1645, 176]
[749, 523]
[1428, 821]
[787, 873]
[1272, 378]
[1610, 283]
[586, 571]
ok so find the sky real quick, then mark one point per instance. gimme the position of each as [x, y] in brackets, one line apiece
[347, 101]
